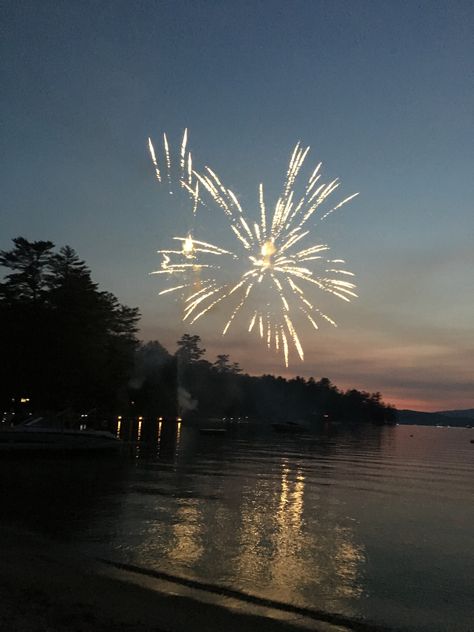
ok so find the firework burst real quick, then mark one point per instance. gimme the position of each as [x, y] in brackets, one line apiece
[273, 269]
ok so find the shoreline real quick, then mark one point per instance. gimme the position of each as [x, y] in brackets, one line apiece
[47, 587]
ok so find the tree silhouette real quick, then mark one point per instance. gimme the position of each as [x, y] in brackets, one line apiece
[189, 350]
[223, 365]
[65, 343]
[30, 265]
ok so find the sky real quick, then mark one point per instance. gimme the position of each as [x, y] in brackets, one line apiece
[381, 91]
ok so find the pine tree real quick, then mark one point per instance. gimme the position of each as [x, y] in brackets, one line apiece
[65, 343]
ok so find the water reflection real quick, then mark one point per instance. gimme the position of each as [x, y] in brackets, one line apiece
[293, 551]
[168, 441]
[186, 546]
[316, 521]
[150, 439]
[250, 522]
[289, 564]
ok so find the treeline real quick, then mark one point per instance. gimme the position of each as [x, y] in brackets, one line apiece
[220, 389]
[65, 344]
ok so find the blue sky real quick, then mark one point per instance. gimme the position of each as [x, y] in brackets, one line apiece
[381, 91]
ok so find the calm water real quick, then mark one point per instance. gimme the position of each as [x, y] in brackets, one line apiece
[374, 523]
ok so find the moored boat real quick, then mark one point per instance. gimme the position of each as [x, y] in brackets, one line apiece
[42, 435]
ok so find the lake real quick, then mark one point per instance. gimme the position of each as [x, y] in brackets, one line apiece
[369, 523]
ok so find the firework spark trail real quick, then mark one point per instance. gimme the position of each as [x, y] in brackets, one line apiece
[184, 142]
[196, 198]
[193, 194]
[168, 159]
[174, 289]
[236, 310]
[153, 158]
[263, 212]
[269, 250]
[285, 344]
[176, 172]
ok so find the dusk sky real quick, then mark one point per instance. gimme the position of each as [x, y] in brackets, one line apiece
[381, 91]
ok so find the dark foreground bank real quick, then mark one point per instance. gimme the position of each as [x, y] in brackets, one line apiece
[46, 588]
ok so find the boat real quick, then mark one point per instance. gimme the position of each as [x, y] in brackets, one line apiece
[217, 431]
[50, 435]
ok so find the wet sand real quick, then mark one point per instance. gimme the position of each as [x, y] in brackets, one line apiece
[46, 587]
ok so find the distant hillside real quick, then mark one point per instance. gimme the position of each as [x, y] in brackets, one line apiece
[468, 412]
[445, 418]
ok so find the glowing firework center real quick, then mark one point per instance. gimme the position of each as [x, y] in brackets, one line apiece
[188, 247]
[268, 250]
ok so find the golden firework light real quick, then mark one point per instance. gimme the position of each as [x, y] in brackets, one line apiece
[278, 269]
[180, 173]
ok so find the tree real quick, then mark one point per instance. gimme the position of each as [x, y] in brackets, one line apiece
[223, 365]
[66, 267]
[189, 350]
[65, 343]
[220, 390]
[30, 265]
